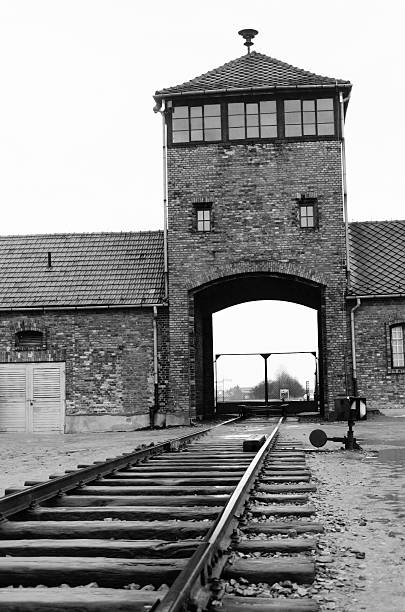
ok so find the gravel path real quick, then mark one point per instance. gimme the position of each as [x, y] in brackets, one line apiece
[361, 501]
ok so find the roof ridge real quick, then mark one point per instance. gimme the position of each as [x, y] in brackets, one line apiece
[287, 65]
[236, 74]
[205, 73]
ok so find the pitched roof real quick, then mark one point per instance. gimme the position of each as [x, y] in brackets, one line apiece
[87, 269]
[377, 252]
[252, 71]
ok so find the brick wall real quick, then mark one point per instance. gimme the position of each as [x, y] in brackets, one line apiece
[378, 382]
[253, 189]
[108, 355]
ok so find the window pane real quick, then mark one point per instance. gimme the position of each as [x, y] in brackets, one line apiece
[196, 111]
[236, 120]
[237, 133]
[196, 123]
[269, 131]
[180, 111]
[212, 122]
[397, 344]
[325, 104]
[309, 117]
[252, 132]
[326, 129]
[212, 110]
[309, 130]
[268, 107]
[252, 109]
[213, 134]
[197, 135]
[292, 105]
[398, 361]
[236, 108]
[291, 118]
[310, 222]
[180, 124]
[325, 116]
[181, 137]
[204, 220]
[268, 119]
[293, 130]
[303, 222]
[308, 105]
[252, 120]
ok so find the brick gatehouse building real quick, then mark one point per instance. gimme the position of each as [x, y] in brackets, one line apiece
[113, 331]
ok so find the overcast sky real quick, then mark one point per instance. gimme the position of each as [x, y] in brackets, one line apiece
[80, 147]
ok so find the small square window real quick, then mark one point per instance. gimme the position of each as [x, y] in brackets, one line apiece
[203, 218]
[307, 213]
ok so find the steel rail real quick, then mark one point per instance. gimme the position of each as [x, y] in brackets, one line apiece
[209, 559]
[12, 504]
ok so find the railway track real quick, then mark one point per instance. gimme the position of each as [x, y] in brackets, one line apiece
[189, 524]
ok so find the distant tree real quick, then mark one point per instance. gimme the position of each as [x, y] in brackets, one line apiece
[234, 394]
[283, 380]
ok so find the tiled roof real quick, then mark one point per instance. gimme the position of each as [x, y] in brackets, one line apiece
[87, 269]
[253, 70]
[377, 256]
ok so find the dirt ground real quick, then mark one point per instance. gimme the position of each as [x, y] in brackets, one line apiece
[361, 501]
[35, 457]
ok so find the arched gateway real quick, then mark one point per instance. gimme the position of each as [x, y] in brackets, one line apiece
[255, 211]
[224, 292]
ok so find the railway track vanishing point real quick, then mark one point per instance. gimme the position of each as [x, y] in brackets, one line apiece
[172, 527]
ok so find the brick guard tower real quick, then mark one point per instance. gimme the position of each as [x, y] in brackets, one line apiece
[255, 212]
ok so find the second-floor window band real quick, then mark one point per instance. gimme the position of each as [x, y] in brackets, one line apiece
[196, 123]
[252, 120]
[309, 117]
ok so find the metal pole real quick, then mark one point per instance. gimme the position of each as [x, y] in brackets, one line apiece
[216, 381]
[266, 386]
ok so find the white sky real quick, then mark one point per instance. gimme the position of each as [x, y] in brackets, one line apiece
[80, 147]
[256, 327]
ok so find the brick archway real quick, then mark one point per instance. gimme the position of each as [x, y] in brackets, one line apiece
[246, 267]
[210, 293]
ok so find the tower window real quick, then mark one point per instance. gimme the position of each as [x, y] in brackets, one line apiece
[196, 123]
[397, 346]
[29, 340]
[309, 117]
[307, 213]
[252, 120]
[203, 218]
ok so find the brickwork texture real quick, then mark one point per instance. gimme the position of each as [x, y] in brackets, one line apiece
[253, 189]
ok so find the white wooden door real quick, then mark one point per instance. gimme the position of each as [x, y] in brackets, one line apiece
[13, 397]
[32, 397]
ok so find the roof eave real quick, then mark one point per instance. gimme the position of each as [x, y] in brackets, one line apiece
[44, 308]
[374, 296]
[167, 94]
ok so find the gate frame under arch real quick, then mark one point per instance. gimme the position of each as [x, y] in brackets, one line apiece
[200, 320]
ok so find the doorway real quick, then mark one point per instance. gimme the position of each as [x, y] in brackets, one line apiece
[32, 397]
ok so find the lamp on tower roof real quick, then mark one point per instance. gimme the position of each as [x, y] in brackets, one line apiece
[248, 34]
